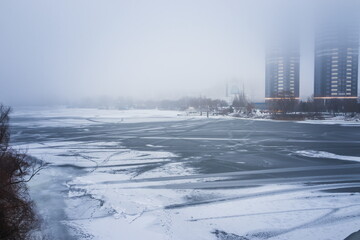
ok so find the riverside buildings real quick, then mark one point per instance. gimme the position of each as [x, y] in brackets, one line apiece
[282, 71]
[336, 62]
[335, 70]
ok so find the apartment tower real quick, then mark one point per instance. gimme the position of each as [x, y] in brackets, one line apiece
[336, 61]
[282, 71]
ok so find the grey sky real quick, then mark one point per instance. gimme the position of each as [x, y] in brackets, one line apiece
[71, 49]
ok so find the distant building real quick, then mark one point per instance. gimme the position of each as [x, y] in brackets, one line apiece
[232, 90]
[336, 61]
[282, 70]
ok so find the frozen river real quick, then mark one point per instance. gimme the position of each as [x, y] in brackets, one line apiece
[156, 175]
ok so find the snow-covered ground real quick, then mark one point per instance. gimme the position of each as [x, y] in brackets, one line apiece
[336, 120]
[322, 154]
[63, 116]
[133, 209]
[114, 192]
[343, 120]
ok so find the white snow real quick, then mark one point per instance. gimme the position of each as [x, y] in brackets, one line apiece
[299, 215]
[341, 122]
[322, 154]
[280, 211]
[55, 117]
[116, 199]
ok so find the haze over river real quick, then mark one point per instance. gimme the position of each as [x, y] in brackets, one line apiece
[149, 174]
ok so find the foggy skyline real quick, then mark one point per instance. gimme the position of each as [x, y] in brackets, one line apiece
[61, 51]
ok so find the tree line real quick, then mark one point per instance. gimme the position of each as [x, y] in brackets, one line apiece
[288, 105]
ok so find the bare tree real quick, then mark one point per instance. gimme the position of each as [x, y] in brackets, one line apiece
[17, 216]
[285, 103]
[240, 101]
[4, 128]
[242, 104]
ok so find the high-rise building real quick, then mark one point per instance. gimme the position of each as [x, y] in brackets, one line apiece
[282, 71]
[336, 61]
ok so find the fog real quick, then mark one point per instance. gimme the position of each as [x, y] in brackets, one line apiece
[63, 51]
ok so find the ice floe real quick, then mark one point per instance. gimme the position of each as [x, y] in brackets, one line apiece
[322, 154]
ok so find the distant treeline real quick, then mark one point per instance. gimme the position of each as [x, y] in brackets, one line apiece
[239, 103]
[331, 106]
[199, 103]
[287, 105]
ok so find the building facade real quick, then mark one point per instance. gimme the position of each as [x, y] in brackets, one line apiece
[336, 62]
[282, 72]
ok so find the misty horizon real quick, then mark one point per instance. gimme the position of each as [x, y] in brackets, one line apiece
[64, 52]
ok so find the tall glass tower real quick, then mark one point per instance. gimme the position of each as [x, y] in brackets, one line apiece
[336, 61]
[282, 71]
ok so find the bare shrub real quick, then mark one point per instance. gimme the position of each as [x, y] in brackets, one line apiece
[17, 215]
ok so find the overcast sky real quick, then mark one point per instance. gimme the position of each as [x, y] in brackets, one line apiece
[63, 50]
